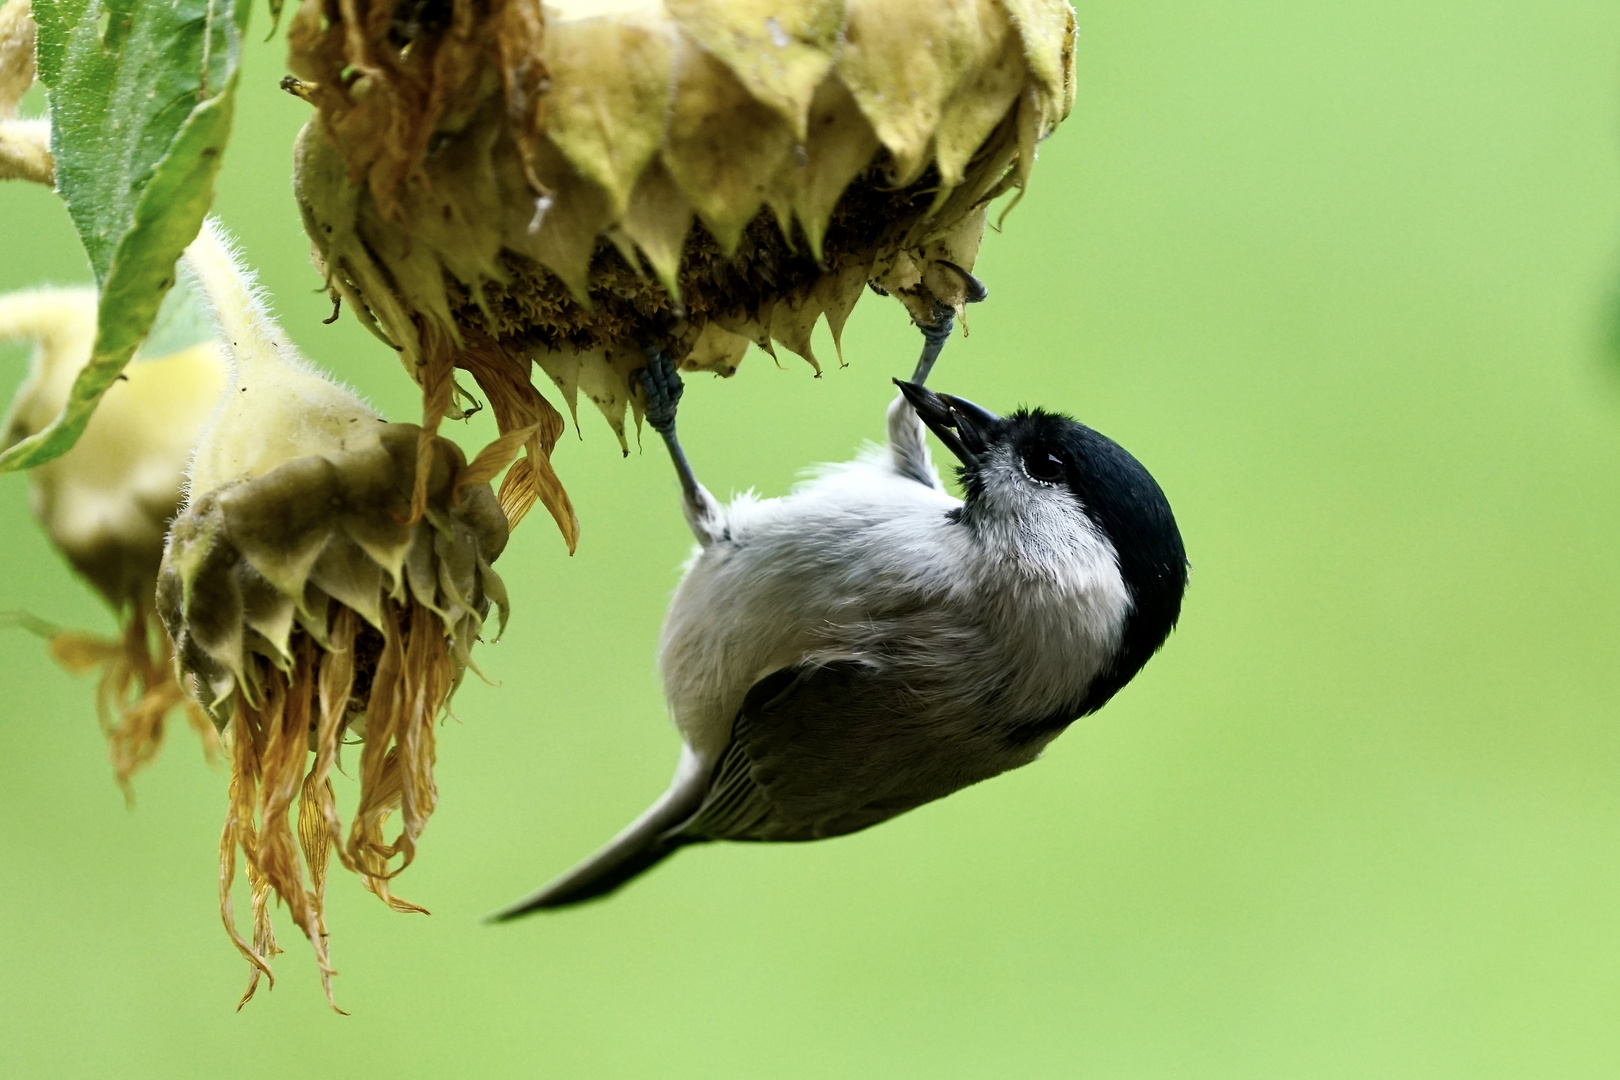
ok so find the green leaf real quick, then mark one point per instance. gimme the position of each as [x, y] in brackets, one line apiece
[142, 94]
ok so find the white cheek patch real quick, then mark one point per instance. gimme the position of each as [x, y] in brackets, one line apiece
[1044, 524]
[1044, 531]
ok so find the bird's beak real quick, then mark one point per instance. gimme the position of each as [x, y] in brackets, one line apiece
[961, 425]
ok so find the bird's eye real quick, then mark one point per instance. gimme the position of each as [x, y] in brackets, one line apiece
[1043, 466]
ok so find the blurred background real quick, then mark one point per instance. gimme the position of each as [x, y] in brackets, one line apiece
[1342, 276]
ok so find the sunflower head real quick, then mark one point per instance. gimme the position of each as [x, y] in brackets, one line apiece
[325, 582]
[582, 178]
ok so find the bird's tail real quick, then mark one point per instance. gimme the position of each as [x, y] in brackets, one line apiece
[643, 844]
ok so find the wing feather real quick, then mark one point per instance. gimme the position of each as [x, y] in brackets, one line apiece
[827, 749]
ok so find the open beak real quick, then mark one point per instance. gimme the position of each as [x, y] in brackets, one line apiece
[961, 425]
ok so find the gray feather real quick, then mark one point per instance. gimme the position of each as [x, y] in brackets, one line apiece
[829, 749]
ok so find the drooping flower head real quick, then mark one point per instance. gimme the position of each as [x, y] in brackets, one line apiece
[563, 183]
[106, 503]
[308, 605]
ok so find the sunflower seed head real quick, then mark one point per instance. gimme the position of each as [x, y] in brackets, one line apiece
[710, 173]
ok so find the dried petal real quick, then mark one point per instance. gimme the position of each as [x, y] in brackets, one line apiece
[1047, 30]
[792, 322]
[982, 99]
[658, 220]
[839, 146]
[838, 293]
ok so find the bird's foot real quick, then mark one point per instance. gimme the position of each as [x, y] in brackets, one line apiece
[975, 291]
[937, 332]
[662, 386]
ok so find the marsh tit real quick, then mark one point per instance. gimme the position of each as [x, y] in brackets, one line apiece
[869, 643]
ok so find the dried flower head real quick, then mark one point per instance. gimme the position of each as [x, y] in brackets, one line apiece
[106, 503]
[563, 183]
[308, 605]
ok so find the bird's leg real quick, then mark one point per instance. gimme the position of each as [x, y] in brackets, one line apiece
[938, 331]
[908, 443]
[935, 335]
[661, 384]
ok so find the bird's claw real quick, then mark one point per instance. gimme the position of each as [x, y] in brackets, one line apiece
[974, 290]
[943, 315]
[662, 387]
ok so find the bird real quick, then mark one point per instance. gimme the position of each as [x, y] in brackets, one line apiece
[869, 643]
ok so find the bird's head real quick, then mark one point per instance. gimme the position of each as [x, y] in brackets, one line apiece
[1042, 483]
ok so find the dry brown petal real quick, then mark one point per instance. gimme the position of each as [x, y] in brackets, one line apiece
[527, 419]
[384, 85]
[136, 692]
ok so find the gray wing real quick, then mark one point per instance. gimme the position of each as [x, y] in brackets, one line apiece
[820, 751]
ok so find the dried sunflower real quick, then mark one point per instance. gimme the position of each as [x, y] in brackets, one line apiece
[566, 182]
[307, 605]
[106, 503]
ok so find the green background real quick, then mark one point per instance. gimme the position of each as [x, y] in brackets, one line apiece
[1340, 276]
